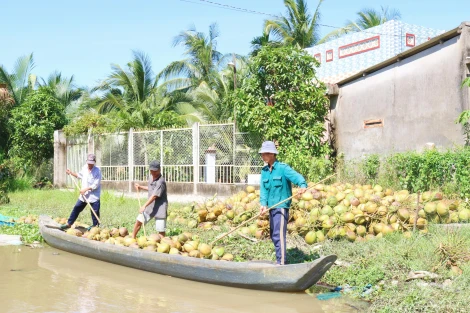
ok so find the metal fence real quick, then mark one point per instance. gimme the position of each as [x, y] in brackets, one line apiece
[213, 153]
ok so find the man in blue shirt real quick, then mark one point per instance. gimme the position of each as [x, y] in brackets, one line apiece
[91, 189]
[275, 186]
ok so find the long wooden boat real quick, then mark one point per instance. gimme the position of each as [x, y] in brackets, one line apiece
[252, 275]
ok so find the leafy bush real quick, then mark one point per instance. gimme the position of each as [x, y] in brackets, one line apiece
[279, 101]
[33, 124]
[445, 170]
[5, 177]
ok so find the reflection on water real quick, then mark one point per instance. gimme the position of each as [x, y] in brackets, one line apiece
[50, 280]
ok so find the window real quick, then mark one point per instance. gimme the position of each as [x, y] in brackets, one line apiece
[329, 55]
[318, 57]
[410, 40]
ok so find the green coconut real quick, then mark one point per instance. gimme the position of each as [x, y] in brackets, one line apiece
[190, 246]
[205, 250]
[454, 217]
[347, 217]
[195, 254]
[227, 257]
[253, 228]
[307, 196]
[442, 209]
[74, 232]
[378, 228]
[340, 196]
[327, 210]
[310, 237]
[360, 219]
[332, 201]
[371, 207]
[430, 208]
[128, 241]
[300, 222]
[361, 230]
[173, 251]
[358, 193]
[163, 247]
[340, 209]
[320, 236]
[219, 250]
[464, 215]
[142, 241]
[403, 214]
[230, 214]
[327, 224]
[351, 236]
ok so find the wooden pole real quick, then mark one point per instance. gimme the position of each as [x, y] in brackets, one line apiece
[416, 213]
[272, 207]
[91, 208]
[140, 205]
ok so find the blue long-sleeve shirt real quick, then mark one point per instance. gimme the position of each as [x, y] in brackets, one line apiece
[276, 185]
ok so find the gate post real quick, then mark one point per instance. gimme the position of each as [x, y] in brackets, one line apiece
[195, 157]
[60, 158]
[130, 157]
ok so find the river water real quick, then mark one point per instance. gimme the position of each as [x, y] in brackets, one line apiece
[50, 280]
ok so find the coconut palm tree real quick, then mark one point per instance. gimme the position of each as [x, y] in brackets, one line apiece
[64, 88]
[202, 63]
[135, 83]
[133, 92]
[261, 41]
[20, 81]
[298, 27]
[366, 18]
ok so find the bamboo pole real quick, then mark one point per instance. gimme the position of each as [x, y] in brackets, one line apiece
[91, 208]
[269, 209]
[416, 213]
[140, 205]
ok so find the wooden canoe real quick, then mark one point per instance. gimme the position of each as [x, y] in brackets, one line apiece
[252, 275]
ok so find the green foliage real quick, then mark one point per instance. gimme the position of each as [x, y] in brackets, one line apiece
[5, 177]
[464, 117]
[379, 262]
[312, 168]
[298, 27]
[466, 82]
[29, 233]
[445, 170]
[32, 126]
[90, 119]
[371, 167]
[296, 117]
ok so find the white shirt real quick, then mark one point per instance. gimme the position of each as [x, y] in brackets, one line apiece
[90, 179]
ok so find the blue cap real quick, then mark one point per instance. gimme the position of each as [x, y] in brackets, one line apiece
[268, 147]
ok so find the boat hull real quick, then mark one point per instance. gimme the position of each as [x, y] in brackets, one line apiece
[252, 275]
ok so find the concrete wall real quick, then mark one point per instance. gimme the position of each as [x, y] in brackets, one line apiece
[419, 99]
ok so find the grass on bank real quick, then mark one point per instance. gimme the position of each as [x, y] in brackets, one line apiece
[384, 263]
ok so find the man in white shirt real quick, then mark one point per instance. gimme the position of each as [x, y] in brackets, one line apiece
[91, 189]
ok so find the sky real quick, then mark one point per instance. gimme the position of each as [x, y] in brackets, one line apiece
[83, 38]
